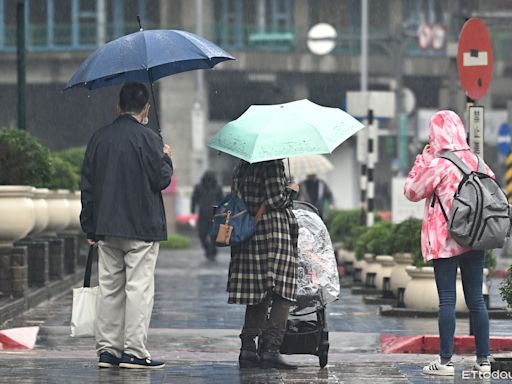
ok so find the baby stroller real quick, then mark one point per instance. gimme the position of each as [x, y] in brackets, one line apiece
[318, 285]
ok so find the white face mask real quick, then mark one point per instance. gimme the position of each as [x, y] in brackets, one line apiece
[145, 121]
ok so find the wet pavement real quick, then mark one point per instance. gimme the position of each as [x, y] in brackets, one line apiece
[196, 332]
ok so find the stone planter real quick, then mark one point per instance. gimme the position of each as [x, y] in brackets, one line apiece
[75, 206]
[59, 212]
[386, 264]
[421, 290]
[347, 259]
[39, 196]
[399, 277]
[17, 213]
[359, 267]
[370, 271]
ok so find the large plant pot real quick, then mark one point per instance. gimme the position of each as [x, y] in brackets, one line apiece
[399, 277]
[421, 290]
[17, 213]
[39, 196]
[347, 256]
[359, 267]
[75, 207]
[370, 270]
[59, 211]
[347, 259]
[386, 264]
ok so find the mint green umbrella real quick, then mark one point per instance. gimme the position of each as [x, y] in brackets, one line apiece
[268, 132]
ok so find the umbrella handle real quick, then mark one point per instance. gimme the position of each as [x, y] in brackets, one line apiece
[155, 107]
[289, 170]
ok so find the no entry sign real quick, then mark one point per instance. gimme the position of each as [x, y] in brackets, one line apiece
[475, 58]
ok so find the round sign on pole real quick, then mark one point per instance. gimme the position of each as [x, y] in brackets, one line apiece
[475, 58]
[409, 100]
[322, 39]
[504, 139]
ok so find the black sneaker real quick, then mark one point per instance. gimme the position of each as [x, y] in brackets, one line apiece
[130, 361]
[108, 360]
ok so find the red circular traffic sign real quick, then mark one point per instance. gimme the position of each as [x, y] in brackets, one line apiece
[475, 58]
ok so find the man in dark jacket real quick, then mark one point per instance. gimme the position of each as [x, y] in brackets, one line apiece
[317, 192]
[125, 168]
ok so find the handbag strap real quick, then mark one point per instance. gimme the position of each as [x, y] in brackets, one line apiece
[88, 267]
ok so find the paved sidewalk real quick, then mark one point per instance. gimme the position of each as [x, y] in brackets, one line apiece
[196, 332]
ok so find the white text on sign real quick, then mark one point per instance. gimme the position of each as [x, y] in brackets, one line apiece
[474, 60]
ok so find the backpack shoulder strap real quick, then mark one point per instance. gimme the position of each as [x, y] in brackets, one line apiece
[457, 161]
[481, 165]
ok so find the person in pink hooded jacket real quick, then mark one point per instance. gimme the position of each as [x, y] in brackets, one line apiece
[436, 179]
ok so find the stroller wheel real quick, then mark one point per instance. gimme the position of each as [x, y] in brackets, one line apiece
[323, 357]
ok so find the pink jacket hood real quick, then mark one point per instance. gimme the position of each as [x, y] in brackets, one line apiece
[446, 132]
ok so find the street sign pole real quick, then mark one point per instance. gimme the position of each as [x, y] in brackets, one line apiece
[369, 106]
[476, 130]
[21, 64]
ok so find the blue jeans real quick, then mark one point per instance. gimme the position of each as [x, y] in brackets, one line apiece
[471, 266]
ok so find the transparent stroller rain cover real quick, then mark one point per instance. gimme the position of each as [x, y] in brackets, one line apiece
[318, 282]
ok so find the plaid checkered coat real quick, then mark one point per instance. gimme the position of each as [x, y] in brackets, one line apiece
[268, 261]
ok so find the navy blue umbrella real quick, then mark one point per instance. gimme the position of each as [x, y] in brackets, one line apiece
[145, 57]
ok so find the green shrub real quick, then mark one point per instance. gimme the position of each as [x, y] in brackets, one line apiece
[490, 260]
[74, 156]
[175, 241]
[350, 240]
[417, 261]
[407, 236]
[63, 175]
[341, 222]
[506, 288]
[376, 239]
[23, 159]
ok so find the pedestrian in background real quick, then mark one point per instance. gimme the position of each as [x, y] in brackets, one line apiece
[263, 270]
[316, 191]
[206, 195]
[436, 180]
[125, 168]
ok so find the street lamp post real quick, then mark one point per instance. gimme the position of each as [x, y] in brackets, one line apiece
[21, 64]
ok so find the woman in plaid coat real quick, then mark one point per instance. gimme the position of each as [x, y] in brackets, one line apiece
[263, 270]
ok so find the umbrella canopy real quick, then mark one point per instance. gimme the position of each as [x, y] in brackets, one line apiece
[146, 56]
[301, 166]
[268, 132]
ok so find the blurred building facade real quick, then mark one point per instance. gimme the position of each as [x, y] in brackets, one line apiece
[269, 39]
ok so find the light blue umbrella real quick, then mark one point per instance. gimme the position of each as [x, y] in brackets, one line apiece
[268, 132]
